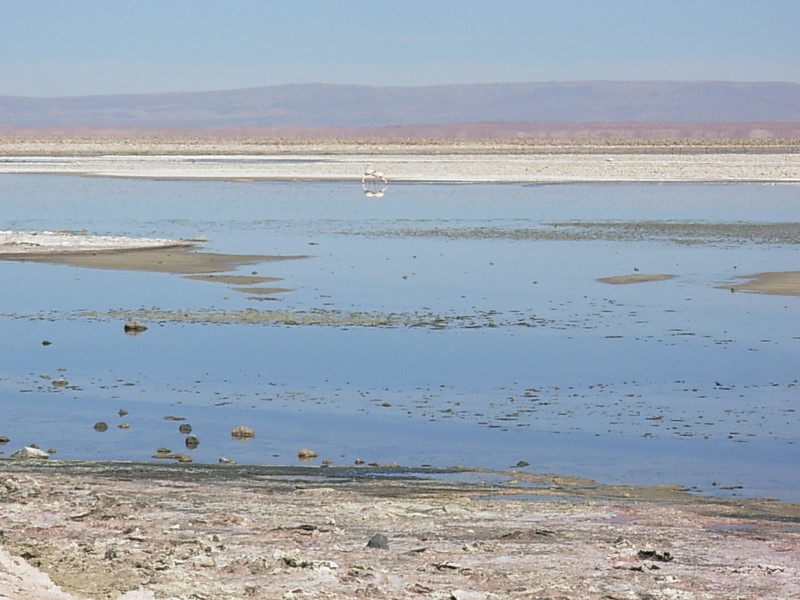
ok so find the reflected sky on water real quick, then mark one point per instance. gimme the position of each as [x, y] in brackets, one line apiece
[674, 381]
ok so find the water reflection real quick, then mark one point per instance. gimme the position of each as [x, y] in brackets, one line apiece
[374, 183]
[421, 331]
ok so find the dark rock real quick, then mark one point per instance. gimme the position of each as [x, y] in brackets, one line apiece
[192, 442]
[379, 541]
[185, 428]
[101, 426]
[665, 556]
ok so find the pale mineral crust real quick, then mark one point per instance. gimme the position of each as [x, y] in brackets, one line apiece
[104, 530]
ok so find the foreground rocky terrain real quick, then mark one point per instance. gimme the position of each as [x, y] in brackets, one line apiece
[143, 531]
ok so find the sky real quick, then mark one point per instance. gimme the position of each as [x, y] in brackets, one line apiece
[98, 47]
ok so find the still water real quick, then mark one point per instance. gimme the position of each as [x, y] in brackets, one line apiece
[502, 344]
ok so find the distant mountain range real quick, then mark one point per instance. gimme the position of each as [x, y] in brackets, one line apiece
[354, 106]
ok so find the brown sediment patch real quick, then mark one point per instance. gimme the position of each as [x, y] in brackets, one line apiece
[234, 279]
[179, 260]
[635, 278]
[785, 283]
[263, 291]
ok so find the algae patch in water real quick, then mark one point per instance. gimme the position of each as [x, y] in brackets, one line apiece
[678, 232]
[317, 317]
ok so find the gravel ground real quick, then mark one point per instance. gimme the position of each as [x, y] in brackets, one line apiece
[108, 530]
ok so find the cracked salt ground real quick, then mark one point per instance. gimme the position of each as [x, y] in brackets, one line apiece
[434, 349]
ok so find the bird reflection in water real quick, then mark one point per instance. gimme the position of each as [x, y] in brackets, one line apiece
[374, 183]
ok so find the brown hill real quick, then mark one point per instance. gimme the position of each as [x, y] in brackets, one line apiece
[486, 130]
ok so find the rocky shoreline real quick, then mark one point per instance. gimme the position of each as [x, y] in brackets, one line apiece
[143, 531]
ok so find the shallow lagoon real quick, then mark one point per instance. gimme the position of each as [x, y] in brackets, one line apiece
[504, 346]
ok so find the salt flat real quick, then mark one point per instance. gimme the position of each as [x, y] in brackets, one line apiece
[407, 160]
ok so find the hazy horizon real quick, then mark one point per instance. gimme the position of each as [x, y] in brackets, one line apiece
[91, 47]
[375, 86]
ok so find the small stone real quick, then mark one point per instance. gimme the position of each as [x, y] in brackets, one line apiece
[379, 541]
[183, 458]
[521, 464]
[134, 326]
[226, 461]
[306, 454]
[665, 556]
[4, 439]
[29, 452]
[243, 432]
[124, 426]
[46, 342]
[60, 382]
[101, 426]
[192, 442]
[122, 412]
[185, 428]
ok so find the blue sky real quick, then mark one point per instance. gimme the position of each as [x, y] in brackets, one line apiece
[80, 47]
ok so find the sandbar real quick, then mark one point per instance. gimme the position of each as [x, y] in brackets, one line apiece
[137, 254]
[785, 283]
[635, 278]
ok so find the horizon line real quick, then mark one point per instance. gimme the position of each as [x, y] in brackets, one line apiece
[418, 86]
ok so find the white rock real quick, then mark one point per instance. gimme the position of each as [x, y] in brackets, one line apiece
[30, 452]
